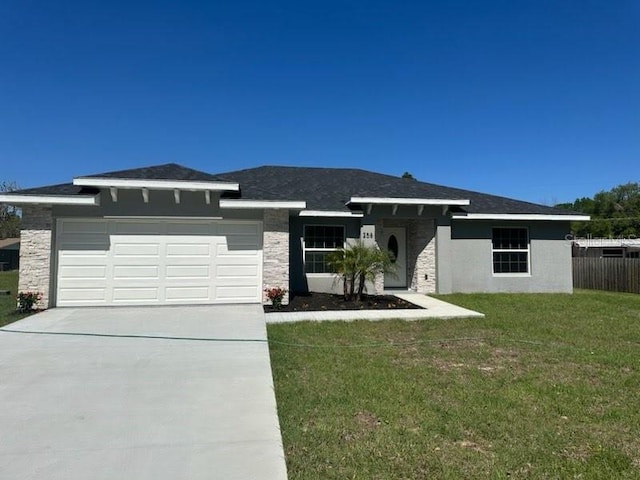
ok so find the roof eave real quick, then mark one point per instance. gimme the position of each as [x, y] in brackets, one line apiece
[107, 182]
[247, 204]
[522, 216]
[331, 213]
[17, 199]
[408, 201]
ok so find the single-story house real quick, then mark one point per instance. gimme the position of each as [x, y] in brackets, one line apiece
[9, 248]
[168, 234]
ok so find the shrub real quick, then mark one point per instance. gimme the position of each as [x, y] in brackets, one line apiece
[28, 300]
[275, 294]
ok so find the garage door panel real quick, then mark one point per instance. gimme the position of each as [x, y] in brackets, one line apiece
[124, 272]
[82, 296]
[132, 294]
[187, 271]
[236, 294]
[166, 262]
[136, 249]
[238, 259]
[249, 270]
[78, 255]
[187, 293]
[241, 251]
[84, 272]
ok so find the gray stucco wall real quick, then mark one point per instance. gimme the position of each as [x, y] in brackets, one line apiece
[322, 283]
[465, 259]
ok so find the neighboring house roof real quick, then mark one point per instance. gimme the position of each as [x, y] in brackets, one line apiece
[9, 243]
[323, 189]
[607, 242]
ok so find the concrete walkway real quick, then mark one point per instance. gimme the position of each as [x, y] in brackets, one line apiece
[139, 393]
[432, 308]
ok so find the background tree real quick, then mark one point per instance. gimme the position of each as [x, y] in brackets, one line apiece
[9, 216]
[614, 213]
[408, 175]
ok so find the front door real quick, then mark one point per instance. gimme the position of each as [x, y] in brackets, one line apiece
[395, 241]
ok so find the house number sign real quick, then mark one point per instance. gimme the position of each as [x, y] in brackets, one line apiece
[368, 234]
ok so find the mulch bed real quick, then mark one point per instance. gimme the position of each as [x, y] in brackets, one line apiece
[317, 302]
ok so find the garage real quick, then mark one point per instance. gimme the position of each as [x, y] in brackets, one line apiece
[157, 262]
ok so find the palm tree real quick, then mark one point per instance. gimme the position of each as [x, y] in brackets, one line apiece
[358, 263]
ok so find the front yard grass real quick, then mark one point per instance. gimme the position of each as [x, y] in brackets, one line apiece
[8, 314]
[546, 386]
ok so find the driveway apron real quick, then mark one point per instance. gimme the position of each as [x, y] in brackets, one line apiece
[139, 393]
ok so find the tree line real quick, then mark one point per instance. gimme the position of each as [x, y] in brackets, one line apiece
[614, 213]
[9, 216]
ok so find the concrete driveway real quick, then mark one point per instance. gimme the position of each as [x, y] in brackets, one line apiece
[139, 393]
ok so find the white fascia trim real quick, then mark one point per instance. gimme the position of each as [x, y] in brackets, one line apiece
[155, 184]
[521, 216]
[329, 213]
[408, 201]
[239, 204]
[51, 199]
[152, 218]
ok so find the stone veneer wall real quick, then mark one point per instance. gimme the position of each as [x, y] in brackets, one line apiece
[421, 253]
[35, 252]
[275, 246]
[378, 284]
[421, 246]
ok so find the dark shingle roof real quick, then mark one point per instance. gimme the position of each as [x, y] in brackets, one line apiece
[320, 188]
[168, 171]
[60, 189]
[331, 189]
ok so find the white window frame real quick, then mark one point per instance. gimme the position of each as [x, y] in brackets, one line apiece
[512, 250]
[306, 249]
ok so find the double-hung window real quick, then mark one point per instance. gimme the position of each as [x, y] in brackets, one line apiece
[510, 248]
[319, 241]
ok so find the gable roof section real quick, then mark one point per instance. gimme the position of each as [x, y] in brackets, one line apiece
[170, 176]
[167, 171]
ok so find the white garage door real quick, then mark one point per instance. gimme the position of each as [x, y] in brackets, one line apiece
[158, 262]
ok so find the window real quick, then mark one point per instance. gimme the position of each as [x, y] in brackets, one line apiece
[319, 241]
[510, 251]
[612, 252]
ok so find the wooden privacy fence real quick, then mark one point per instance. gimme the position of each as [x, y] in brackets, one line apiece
[613, 274]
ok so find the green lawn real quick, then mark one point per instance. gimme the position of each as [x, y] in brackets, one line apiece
[546, 386]
[9, 281]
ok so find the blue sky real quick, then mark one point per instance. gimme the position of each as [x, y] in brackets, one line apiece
[537, 100]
